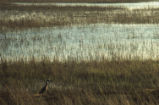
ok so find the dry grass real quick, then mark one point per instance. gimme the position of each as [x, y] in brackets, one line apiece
[13, 16]
[80, 83]
[77, 83]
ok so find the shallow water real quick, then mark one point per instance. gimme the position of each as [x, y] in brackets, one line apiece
[88, 42]
[126, 5]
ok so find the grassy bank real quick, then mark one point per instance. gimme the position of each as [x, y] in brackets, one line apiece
[13, 16]
[80, 83]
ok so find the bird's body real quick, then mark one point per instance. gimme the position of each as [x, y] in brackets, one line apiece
[45, 88]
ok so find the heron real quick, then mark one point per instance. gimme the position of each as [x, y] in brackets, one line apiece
[45, 87]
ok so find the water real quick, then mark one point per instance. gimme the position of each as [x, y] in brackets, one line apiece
[126, 5]
[85, 42]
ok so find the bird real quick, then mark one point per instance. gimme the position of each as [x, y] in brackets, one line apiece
[45, 87]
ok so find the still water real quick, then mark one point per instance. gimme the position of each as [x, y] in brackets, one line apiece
[126, 5]
[82, 42]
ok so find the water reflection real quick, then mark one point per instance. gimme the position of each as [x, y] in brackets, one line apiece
[127, 5]
[88, 42]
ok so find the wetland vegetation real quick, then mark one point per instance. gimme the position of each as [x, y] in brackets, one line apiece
[93, 55]
[76, 1]
[91, 83]
[22, 16]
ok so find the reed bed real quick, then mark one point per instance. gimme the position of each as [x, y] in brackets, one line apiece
[76, 83]
[14, 16]
[93, 82]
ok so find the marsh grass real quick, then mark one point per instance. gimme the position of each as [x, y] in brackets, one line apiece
[78, 83]
[116, 82]
[18, 17]
[85, 1]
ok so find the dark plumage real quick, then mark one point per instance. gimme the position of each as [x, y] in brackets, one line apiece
[45, 88]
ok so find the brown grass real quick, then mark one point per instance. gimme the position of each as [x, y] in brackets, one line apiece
[12, 16]
[80, 83]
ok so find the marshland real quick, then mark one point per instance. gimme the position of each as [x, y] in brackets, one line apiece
[96, 52]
